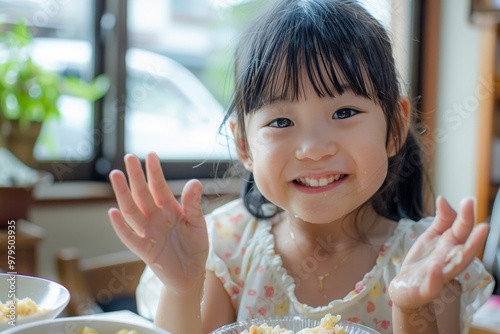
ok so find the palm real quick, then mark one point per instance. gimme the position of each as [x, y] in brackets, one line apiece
[175, 249]
[442, 252]
[170, 237]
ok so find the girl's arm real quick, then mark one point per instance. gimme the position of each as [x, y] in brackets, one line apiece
[440, 316]
[184, 310]
[180, 312]
[216, 307]
[443, 251]
[447, 308]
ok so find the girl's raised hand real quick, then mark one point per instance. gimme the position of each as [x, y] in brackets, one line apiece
[442, 252]
[170, 237]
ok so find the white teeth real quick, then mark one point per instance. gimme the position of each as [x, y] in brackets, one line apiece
[319, 182]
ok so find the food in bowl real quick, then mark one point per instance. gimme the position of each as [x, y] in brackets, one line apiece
[18, 308]
[50, 298]
[90, 330]
[328, 325]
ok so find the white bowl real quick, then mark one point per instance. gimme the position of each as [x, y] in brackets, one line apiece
[291, 323]
[51, 297]
[71, 325]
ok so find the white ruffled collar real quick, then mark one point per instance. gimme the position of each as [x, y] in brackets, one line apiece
[266, 239]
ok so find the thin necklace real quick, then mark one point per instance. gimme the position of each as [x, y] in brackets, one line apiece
[320, 278]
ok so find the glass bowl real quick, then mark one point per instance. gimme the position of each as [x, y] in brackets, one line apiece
[294, 324]
[51, 298]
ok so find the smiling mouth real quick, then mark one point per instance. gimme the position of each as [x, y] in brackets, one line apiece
[318, 182]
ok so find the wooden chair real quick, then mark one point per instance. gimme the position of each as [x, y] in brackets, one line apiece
[491, 254]
[99, 284]
[491, 259]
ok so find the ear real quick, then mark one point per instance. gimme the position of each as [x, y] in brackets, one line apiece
[396, 140]
[241, 145]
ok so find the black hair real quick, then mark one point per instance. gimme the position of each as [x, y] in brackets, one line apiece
[340, 46]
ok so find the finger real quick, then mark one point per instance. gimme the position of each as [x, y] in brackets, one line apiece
[191, 202]
[126, 203]
[476, 241]
[129, 238]
[459, 258]
[445, 216]
[158, 186]
[138, 185]
[462, 227]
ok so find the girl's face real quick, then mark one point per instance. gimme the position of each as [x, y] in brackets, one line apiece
[319, 158]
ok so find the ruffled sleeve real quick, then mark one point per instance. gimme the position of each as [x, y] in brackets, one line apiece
[230, 231]
[477, 286]
[147, 294]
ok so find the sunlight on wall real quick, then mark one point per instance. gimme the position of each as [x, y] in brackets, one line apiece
[459, 90]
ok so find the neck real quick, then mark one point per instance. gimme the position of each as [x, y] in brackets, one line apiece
[337, 236]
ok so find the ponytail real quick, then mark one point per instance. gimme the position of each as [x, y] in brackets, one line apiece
[401, 195]
[255, 202]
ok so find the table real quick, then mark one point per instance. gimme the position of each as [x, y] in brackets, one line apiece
[486, 319]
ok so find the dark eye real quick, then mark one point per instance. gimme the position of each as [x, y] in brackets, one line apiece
[344, 113]
[281, 123]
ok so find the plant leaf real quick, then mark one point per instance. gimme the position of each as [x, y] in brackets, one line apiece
[79, 88]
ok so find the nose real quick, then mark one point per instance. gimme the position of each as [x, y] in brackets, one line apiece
[316, 144]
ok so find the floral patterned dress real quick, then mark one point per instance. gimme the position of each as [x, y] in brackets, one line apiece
[242, 256]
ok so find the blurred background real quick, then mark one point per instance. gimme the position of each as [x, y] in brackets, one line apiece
[169, 66]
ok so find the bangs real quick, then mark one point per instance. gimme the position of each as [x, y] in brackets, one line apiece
[308, 60]
[301, 45]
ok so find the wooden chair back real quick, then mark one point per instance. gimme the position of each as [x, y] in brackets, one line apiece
[97, 284]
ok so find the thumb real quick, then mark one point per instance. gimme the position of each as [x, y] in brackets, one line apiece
[191, 202]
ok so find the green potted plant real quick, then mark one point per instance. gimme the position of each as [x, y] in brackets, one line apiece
[29, 93]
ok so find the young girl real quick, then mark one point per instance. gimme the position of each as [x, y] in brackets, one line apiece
[331, 219]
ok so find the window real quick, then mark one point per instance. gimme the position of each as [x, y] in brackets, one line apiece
[177, 85]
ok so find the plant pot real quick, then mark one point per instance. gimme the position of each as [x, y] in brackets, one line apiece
[21, 141]
[15, 203]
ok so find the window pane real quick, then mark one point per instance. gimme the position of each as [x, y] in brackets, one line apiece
[67, 137]
[169, 111]
[62, 32]
[183, 49]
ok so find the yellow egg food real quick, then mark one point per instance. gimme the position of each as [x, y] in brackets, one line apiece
[23, 307]
[89, 330]
[328, 325]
